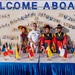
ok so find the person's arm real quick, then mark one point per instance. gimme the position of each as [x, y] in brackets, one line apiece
[38, 39]
[30, 38]
[65, 39]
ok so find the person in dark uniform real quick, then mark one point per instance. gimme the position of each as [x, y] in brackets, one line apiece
[60, 41]
[46, 39]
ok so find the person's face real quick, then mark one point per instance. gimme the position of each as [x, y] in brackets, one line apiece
[59, 30]
[34, 26]
[23, 30]
[47, 30]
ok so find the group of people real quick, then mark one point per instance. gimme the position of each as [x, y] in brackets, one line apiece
[46, 43]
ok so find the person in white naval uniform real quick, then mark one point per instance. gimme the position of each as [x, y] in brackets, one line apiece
[34, 38]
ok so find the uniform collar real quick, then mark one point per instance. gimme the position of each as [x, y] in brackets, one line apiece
[34, 30]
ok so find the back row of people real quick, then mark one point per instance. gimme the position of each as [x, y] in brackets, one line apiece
[41, 41]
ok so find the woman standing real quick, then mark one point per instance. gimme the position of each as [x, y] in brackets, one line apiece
[23, 38]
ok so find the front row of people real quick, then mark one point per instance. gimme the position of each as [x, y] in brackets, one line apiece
[46, 42]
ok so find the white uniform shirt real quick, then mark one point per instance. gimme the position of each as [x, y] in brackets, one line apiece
[34, 35]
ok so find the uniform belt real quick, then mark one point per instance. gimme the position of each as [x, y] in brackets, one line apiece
[47, 41]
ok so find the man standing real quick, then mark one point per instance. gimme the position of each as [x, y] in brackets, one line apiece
[46, 41]
[34, 38]
[60, 41]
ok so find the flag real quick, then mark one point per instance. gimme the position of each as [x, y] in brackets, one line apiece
[72, 48]
[0, 42]
[44, 51]
[17, 53]
[10, 46]
[6, 44]
[49, 53]
[42, 47]
[32, 47]
[0, 50]
[63, 52]
[5, 53]
[3, 48]
[74, 53]
[59, 50]
[20, 50]
[10, 51]
[31, 53]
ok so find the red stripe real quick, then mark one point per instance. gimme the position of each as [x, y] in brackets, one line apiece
[47, 41]
[5, 53]
[10, 51]
[59, 43]
[65, 55]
